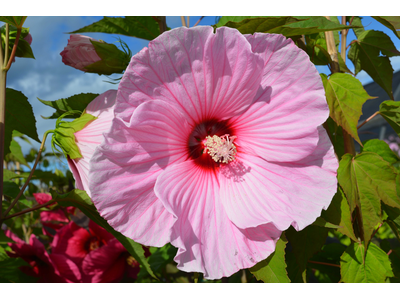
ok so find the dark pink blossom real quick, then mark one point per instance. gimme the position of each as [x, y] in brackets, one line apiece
[41, 264]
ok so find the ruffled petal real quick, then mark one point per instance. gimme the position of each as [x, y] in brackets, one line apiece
[126, 166]
[255, 191]
[282, 123]
[66, 268]
[208, 242]
[205, 75]
[91, 136]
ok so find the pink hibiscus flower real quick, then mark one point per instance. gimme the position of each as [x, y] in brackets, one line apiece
[41, 264]
[91, 136]
[217, 147]
[99, 256]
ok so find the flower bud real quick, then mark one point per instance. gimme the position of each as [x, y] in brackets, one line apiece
[93, 56]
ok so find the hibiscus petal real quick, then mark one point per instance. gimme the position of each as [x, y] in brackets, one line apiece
[281, 124]
[65, 268]
[91, 136]
[255, 192]
[204, 74]
[105, 264]
[125, 168]
[208, 242]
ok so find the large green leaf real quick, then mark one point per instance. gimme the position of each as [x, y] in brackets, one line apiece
[19, 116]
[81, 200]
[382, 149]
[338, 213]
[76, 102]
[390, 110]
[392, 22]
[356, 21]
[143, 27]
[345, 96]
[304, 244]
[9, 269]
[13, 20]
[288, 26]
[358, 265]
[367, 179]
[23, 48]
[365, 53]
[393, 219]
[273, 269]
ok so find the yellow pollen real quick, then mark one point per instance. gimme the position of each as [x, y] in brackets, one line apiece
[221, 149]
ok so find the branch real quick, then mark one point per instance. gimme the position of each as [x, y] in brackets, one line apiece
[197, 23]
[323, 263]
[183, 21]
[30, 175]
[369, 119]
[36, 207]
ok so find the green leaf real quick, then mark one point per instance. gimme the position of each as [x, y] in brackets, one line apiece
[365, 55]
[288, 26]
[392, 22]
[273, 269]
[323, 223]
[76, 102]
[304, 244]
[16, 153]
[15, 21]
[376, 267]
[356, 21]
[4, 239]
[382, 149]
[143, 27]
[19, 116]
[81, 200]
[338, 212]
[366, 180]
[23, 48]
[11, 189]
[393, 219]
[390, 111]
[158, 259]
[345, 96]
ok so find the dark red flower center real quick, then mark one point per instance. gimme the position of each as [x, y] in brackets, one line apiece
[93, 243]
[195, 144]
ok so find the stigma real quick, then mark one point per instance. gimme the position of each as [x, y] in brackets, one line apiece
[221, 149]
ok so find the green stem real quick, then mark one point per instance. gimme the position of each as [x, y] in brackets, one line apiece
[30, 175]
[3, 77]
[14, 50]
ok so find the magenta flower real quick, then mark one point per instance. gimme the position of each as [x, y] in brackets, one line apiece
[52, 219]
[79, 53]
[99, 256]
[43, 266]
[91, 136]
[217, 147]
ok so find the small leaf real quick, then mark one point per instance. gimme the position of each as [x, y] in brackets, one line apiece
[366, 180]
[19, 116]
[81, 200]
[15, 21]
[16, 153]
[143, 27]
[390, 110]
[273, 269]
[338, 212]
[376, 267]
[382, 149]
[76, 102]
[288, 26]
[345, 96]
[158, 259]
[365, 55]
[392, 22]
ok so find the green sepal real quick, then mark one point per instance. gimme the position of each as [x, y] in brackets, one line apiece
[63, 135]
[112, 60]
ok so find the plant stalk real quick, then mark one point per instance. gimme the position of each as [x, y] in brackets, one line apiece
[369, 119]
[344, 40]
[183, 21]
[162, 24]
[30, 175]
[36, 207]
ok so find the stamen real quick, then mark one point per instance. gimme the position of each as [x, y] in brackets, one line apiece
[221, 149]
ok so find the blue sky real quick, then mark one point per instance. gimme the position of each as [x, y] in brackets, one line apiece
[48, 78]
